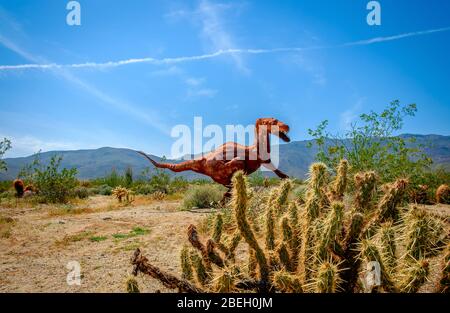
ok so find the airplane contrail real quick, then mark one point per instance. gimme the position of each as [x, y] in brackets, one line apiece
[182, 59]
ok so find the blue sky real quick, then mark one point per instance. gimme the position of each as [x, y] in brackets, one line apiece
[319, 62]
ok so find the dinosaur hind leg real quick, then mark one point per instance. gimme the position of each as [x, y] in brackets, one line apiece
[226, 196]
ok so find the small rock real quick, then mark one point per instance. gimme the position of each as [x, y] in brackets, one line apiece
[61, 222]
[107, 218]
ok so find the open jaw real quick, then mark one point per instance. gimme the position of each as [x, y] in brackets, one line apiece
[284, 136]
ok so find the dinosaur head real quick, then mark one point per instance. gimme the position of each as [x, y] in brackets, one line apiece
[274, 127]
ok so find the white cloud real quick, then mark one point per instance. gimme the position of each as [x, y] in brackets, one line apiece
[202, 92]
[215, 32]
[233, 52]
[192, 81]
[28, 145]
[146, 116]
[348, 117]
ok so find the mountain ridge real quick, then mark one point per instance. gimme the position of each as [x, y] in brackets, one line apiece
[295, 158]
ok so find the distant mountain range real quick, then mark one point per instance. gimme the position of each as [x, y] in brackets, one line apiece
[295, 158]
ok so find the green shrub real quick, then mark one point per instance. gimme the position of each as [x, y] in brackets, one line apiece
[145, 189]
[9, 194]
[105, 190]
[5, 145]
[81, 192]
[178, 184]
[55, 185]
[256, 179]
[5, 185]
[113, 179]
[128, 176]
[202, 196]
[371, 144]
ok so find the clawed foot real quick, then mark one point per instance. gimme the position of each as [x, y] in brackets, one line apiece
[281, 174]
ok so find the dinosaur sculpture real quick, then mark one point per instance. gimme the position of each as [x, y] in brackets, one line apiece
[231, 157]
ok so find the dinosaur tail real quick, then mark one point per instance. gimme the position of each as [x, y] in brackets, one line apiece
[180, 167]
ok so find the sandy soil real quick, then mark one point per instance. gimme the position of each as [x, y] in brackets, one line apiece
[102, 237]
[40, 245]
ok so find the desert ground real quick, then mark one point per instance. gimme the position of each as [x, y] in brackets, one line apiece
[98, 235]
[37, 243]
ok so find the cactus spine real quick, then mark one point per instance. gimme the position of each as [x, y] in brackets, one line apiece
[327, 280]
[240, 207]
[186, 266]
[340, 182]
[132, 285]
[218, 228]
[365, 189]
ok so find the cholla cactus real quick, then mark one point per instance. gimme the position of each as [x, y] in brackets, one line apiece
[388, 205]
[158, 195]
[340, 182]
[270, 229]
[186, 265]
[444, 281]
[322, 245]
[240, 207]
[329, 231]
[282, 196]
[224, 282]
[422, 233]
[132, 285]
[365, 190]
[218, 228]
[122, 193]
[287, 282]
[371, 253]
[317, 183]
[327, 280]
[415, 276]
[388, 245]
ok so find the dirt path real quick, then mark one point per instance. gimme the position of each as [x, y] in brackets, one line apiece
[40, 245]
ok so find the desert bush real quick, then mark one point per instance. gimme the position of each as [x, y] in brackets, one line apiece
[371, 144]
[323, 245]
[9, 194]
[55, 185]
[443, 194]
[105, 190]
[144, 189]
[202, 196]
[257, 179]
[113, 179]
[81, 192]
[85, 183]
[5, 185]
[5, 145]
[178, 184]
[128, 177]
